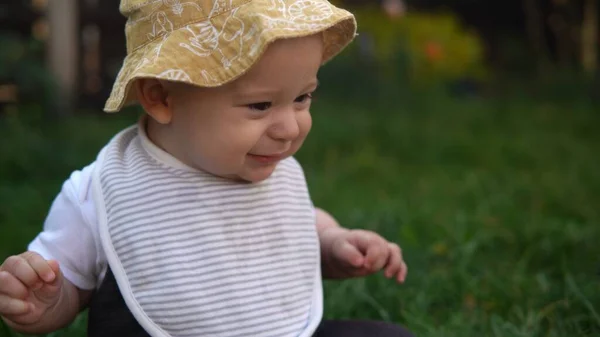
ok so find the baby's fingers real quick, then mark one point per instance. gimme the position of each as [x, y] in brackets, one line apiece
[12, 306]
[395, 263]
[377, 255]
[40, 266]
[348, 254]
[10, 286]
[403, 272]
[29, 268]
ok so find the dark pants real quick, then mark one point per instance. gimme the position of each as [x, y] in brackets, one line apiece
[360, 329]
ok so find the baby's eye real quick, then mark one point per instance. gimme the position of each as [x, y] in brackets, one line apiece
[262, 106]
[303, 98]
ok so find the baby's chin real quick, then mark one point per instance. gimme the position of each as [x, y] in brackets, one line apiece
[256, 174]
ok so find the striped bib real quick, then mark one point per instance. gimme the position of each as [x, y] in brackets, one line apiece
[198, 255]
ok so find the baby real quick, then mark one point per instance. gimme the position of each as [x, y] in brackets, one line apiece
[197, 221]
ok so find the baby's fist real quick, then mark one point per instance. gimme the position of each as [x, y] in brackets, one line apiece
[29, 285]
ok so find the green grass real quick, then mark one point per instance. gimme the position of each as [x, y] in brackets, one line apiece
[496, 204]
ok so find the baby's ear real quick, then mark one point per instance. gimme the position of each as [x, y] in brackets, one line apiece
[153, 96]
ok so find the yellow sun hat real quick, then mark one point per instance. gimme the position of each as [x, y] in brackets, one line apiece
[211, 42]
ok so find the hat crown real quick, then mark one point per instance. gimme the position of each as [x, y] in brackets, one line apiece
[148, 20]
[130, 7]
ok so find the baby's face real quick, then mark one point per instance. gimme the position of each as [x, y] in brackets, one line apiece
[243, 129]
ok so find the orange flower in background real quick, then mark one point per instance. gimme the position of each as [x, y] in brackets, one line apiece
[433, 51]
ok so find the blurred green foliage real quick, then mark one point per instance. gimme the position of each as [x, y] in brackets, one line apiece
[428, 48]
[22, 64]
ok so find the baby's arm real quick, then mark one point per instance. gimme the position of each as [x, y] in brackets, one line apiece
[327, 229]
[44, 289]
[35, 298]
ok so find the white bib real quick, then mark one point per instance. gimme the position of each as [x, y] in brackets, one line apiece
[197, 255]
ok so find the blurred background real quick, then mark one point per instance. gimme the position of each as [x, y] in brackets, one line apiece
[467, 131]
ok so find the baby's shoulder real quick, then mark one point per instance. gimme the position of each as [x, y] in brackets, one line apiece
[78, 184]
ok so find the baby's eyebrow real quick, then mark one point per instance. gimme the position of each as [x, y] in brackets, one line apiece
[249, 92]
[314, 83]
[254, 92]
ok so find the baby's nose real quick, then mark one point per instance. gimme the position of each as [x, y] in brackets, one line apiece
[286, 127]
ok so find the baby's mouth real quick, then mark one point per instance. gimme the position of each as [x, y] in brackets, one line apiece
[265, 159]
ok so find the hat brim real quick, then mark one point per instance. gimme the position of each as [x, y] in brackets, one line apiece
[222, 48]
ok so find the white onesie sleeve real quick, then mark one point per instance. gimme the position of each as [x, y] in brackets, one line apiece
[70, 233]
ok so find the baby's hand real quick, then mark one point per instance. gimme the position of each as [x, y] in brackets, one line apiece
[29, 286]
[353, 253]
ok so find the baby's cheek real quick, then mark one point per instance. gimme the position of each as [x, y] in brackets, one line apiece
[304, 124]
[254, 139]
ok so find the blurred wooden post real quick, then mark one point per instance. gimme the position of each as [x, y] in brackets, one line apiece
[535, 31]
[589, 36]
[63, 50]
